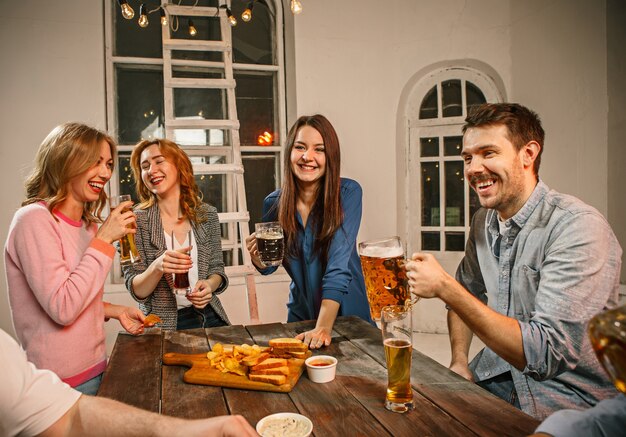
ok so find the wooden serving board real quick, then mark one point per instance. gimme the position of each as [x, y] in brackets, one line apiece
[201, 372]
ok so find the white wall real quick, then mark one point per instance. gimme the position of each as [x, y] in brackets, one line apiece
[354, 59]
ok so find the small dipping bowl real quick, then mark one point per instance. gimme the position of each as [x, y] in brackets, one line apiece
[285, 424]
[321, 368]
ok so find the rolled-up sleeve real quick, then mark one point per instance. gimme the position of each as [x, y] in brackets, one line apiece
[575, 281]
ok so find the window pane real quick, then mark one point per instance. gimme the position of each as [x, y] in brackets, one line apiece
[474, 203]
[146, 42]
[431, 241]
[202, 137]
[253, 41]
[208, 29]
[452, 146]
[455, 241]
[429, 104]
[430, 194]
[455, 212]
[139, 103]
[429, 146]
[474, 96]
[260, 179]
[127, 180]
[256, 108]
[451, 90]
[213, 188]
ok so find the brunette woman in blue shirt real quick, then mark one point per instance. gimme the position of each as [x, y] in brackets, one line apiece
[320, 214]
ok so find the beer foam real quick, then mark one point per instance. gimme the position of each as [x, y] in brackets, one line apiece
[381, 252]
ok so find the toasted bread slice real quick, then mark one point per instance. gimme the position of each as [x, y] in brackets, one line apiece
[298, 354]
[288, 343]
[269, 363]
[255, 360]
[272, 379]
[273, 371]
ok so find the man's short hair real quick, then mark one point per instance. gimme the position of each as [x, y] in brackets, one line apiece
[523, 124]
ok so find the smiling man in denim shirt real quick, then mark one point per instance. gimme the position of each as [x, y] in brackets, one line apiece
[538, 265]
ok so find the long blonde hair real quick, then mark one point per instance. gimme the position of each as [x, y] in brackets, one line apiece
[190, 196]
[68, 151]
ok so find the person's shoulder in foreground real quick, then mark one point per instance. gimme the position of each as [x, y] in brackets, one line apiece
[606, 419]
[37, 402]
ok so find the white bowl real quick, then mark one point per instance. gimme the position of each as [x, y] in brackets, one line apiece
[321, 373]
[282, 423]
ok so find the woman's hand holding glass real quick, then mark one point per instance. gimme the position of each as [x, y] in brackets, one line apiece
[201, 295]
[175, 261]
[251, 244]
[118, 223]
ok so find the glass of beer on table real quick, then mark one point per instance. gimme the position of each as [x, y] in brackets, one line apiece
[270, 243]
[128, 250]
[397, 329]
[181, 280]
[384, 272]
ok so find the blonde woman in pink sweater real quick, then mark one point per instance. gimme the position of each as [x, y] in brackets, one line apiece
[57, 259]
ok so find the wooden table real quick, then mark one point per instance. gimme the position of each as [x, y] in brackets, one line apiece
[353, 404]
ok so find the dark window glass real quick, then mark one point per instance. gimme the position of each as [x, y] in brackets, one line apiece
[253, 42]
[452, 146]
[431, 241]
[451, 93]
[474, 203]
[455, 211]
[428, 109]
[256, 107]
[139, 103]
[200, 103]
[430, 194]
[474, 96]
[455, 241]
[146, 41]
[429, 147]
[127, 180]
[259, 176]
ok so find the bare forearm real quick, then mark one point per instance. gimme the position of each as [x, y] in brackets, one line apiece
[145, 283]
[500, 333]
[460, 339]
[215, 281]
[328, 313]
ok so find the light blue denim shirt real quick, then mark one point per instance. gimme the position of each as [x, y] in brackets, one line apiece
[555, 266]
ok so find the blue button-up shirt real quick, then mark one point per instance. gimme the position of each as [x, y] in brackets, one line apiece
[556, 264]
[342, 279]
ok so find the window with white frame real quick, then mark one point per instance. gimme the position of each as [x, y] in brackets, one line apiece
[135, 96]
[442, 202]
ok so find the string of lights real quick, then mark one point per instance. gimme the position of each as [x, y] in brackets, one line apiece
[129, 13]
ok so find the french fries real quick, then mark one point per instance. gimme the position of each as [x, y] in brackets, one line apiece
[248, 360]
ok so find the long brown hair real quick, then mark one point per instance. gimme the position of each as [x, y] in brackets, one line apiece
[190, 199]
[326, 214]
[68, 151]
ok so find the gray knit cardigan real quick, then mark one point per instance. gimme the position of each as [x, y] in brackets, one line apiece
[151, 244]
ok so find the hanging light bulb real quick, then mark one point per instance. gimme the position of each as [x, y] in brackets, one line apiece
[192, 29]
[127, 11]
[231, 18]
[143, 16]
[247, 14]
[163, 16]
[296, 6]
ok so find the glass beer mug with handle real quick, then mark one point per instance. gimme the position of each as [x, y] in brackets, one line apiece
[607, 332]
[270, 243]
[384, 272]
[397, 329]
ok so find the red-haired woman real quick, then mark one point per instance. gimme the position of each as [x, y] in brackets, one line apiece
[320, 214]
[170, 208]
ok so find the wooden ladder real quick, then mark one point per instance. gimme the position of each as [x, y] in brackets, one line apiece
[237, 217]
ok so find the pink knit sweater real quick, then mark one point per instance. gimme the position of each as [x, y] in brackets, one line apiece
[55, 273]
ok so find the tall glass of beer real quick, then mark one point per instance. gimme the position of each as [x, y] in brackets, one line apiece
[397, 328]
[607, 332]
[270, 243]
[384, 272]
[128, 250]
[181, 280]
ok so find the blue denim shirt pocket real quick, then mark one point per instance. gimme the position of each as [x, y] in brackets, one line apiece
[525, 279]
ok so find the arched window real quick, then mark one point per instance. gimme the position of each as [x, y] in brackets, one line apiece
[441, 203]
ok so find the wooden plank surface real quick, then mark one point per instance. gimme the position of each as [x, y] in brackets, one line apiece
[133, 374]
[179, 398]
[479, 410]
